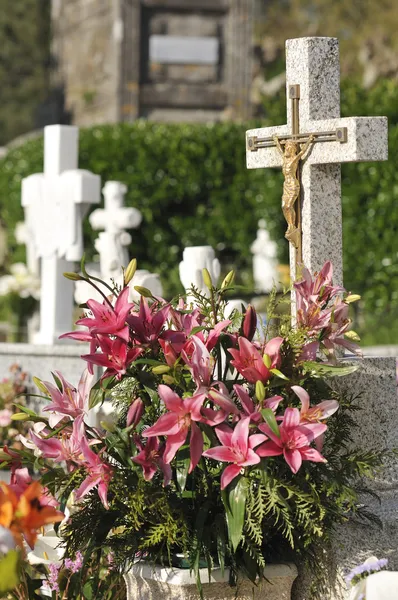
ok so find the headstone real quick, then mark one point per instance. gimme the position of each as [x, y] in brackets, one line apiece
[178, 49]
[264, 260]
[114, 219]
[313, 64]
[56, 202]
[194, 260]
[24, 234]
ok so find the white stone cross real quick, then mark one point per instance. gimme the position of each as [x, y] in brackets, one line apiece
[313, 64]
[55, 203]
[114, 219]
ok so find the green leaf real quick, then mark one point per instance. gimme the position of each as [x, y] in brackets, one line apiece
[25, 410]
[197, 329]
[96, 397]
[182, 466]
[270, 419]
[9, 577]
[88, 590]
[234, 499]
[318, 369]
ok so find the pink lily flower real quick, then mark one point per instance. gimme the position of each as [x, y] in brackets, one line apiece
[176, 424]
[115, 356]
[318, 289]
[214, 334]
[172, 342]
[69, 401]
[314, 414]
[151, 459]
[237, 448]
[293, 440]
[21, 480]
[199, 360]
[109, 320]
[250, 409]
[148, 324]
[99, 474]
[67, 447]
[249, 362]
[249, 324]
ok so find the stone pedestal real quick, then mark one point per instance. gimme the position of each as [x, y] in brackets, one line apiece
[145, 582]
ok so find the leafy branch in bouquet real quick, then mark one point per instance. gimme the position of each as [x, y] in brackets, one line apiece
[224, 443]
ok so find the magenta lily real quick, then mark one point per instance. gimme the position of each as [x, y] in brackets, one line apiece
[249, 362]
[293, 441]
[176, 424]
[99, 474]
[115, 356]
[148, 324]
[151, 460]
[237, 448]
[109, 320]
[67, 447]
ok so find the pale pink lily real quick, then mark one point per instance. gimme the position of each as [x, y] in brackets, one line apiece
[237, 448]
[316, 413]
[151, 460]
[109, 319]
[5, 417]
[67, 447]
[175, 425]
[99, 475]
[249, 362]
[254, 411]
[68, 401]
[318, 288]
[116, 356]
[293, 440]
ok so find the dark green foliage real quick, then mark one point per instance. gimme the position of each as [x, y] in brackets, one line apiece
[193, 188]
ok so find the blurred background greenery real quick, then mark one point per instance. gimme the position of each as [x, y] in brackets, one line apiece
[190, 181]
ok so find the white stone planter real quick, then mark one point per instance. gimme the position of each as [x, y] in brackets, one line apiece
[147, 582]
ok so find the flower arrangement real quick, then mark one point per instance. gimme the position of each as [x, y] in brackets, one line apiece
[228, 447]
[356, 578]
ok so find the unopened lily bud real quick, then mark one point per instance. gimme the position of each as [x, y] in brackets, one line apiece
[228, 280]
[143, 291]
[108, 426]
[260, 391]
[249, 323]
[161, 369]
[207, 279]
[352, 335]
[352, 298]
[73, 276]
[130, 271]
[267, 360]
[168, 379]
[135, 412]
[21, 416]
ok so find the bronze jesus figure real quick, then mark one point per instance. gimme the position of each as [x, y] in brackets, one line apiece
[291, 187]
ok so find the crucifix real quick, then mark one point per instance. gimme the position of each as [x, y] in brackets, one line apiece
[55, 203]
[310, 148]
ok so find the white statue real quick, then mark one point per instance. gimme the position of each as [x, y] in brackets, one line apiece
[194, 260]
[264, 260]
[114, 219]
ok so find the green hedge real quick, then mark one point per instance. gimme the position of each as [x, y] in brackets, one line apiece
[192, 186]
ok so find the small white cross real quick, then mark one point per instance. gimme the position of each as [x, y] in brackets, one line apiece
[114, 219]
[55, 203]
[313, 64]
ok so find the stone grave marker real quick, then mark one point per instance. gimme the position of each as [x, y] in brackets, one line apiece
[313, 85]
[56, 202]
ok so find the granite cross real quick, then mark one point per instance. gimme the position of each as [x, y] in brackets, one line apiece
[56, 202]
[313, 85]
